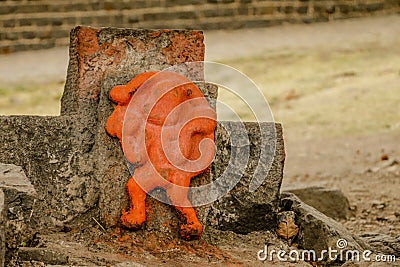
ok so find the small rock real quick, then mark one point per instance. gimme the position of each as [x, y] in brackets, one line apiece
[384, 157]
[388, 165]
[382, 219]
[378, 204]
[36, 264]
[44, 255]
[331, 202]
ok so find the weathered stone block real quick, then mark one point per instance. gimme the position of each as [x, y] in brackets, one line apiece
[51, 152]
[240, 210]
[19, 204]
[70, 159]
[99, 60]
[126, 52]
[11, 36]
[25, 22]
[173, 3]
[302, 10]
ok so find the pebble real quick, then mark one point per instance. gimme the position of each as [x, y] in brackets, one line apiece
[378, 204]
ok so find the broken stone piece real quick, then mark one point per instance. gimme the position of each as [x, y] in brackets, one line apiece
[331, 202]
[19, 201]
[318, 232]
[13, 178]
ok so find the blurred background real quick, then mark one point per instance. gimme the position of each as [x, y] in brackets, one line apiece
[41, 24]
[330, 71]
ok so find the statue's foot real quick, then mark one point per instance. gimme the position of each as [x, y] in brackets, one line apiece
[132, 220]
[191, 231]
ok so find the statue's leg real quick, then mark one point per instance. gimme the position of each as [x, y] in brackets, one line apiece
[191, 227]
[136, 216]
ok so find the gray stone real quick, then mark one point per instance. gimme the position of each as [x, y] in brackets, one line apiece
[51, 152]
[13, 180]
[19, 199]
[331, 202]
[240, 210]
[44, 255]
[319, 232]
[383, 243]
[2, 229]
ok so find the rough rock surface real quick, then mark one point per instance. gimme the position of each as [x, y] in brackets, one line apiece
[383, 243]
[44, 255]
[100, 59]
[317, 231]
[19, 199]
[240, 210]
[331, 202]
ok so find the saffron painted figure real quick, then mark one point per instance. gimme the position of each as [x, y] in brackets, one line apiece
[166, 129]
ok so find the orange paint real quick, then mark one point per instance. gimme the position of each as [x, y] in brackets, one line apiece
[189, 137]
[88, 43]
[185, 48]
[93, 58]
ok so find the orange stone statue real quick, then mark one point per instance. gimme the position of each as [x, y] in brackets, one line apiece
[166, 129]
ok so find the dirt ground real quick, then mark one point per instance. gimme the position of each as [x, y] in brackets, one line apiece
[335, 87]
